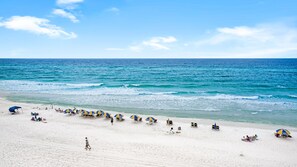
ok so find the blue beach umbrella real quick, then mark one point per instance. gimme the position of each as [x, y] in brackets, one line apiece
[118, 116]
[13, 108]
[84, 113]
[99, 113]
[135, 117]
[78, 111]
[68, 111]
[283, 132]
[107, 115]
[151, 119]
[91, 113]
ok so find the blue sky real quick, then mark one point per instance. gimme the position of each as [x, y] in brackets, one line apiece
[148, 29]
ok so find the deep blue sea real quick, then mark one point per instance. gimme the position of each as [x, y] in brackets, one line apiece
[244, 90]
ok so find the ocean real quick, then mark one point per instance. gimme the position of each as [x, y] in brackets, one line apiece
[242, 90]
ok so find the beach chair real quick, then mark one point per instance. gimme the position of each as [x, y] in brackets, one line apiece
[215, 127]
[34, 113]
[194, 125]
[169, 122]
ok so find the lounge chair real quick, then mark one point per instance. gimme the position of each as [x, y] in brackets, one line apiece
[194, 125]
[215, 127]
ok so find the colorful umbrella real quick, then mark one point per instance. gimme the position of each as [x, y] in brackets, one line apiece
[84, 113]
[283, 132]
[91, 113]
[135, 117]
[118, 116]
[68, 111]
[99, 113]
[150, 119]
[107, 115]
[80, 111]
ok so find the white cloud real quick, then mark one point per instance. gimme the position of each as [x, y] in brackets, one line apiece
[263, 40]
[65, 14]
[156, 43]
[68, 2]
[136, 48]
[242, 31]
[37, 26]
[114, 10]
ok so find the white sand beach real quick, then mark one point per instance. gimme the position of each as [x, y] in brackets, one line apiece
[61, 142]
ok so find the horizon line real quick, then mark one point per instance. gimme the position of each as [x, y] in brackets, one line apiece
[151, 58]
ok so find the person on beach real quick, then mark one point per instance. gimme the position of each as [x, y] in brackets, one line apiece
[88, 147]
[111, 121]
[171, 130]
[248, 138]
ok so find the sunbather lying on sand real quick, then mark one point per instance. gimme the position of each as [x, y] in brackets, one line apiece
[249, 138]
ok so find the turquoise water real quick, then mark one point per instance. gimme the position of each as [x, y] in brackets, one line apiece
[245, 90]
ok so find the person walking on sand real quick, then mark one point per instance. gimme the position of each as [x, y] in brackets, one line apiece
[111, 121]
[88, 147]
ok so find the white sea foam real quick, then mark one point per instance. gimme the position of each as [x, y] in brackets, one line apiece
[18, 85]
[230, 97]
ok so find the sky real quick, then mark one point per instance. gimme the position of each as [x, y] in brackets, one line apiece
[148, 29]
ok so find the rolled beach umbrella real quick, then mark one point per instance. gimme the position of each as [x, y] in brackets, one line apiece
[118, 116]
[107, 115]
[283, 132]
[13, 108]
[151, 119]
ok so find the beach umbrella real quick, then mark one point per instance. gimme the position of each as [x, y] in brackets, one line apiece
[67, 111]
[78, 111]
[107, 115]
[13, 108]
[135, 117]
[118, 116]
[283, 132]
[99, 113]
[150, 119]
[91, 113]
[84, 113]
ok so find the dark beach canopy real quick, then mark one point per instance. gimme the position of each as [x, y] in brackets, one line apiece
[13, 108]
